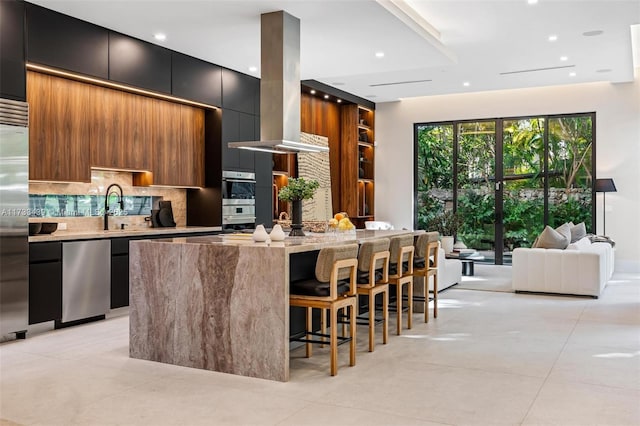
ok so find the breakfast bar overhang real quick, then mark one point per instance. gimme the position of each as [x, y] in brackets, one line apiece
[218, 303]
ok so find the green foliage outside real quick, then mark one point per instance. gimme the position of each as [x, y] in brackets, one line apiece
[569, 163]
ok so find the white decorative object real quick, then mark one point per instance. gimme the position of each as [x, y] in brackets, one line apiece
[459, 245]
[277, 234]
[447, 244]
[260, 234]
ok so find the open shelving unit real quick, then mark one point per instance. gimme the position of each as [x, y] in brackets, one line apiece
[358, 163]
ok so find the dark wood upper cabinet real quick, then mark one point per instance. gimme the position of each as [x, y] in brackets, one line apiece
[240, 92]
[12, 71]
[64, 42]
[178, 145]
[60, 127]
[138, 63]
[196, 80]
[121, 130]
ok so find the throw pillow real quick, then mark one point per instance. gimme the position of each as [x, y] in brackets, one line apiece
[565, 231]
[552, 239]
[578, 232]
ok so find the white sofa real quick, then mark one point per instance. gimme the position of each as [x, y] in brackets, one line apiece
[449, 272]
[583, 268]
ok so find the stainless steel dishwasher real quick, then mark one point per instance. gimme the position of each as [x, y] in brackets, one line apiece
[86, 279]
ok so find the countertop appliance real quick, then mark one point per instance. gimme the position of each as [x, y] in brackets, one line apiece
[238, 200]
[86, 279]
[14, 220]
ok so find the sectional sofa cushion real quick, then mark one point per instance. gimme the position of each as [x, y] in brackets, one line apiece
[578, 232]
[558, 238]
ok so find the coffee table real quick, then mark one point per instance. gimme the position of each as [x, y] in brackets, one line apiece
[467, 259]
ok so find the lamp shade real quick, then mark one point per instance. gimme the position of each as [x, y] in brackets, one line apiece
[605, 185]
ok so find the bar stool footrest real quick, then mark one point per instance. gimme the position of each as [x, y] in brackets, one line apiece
[341, 339]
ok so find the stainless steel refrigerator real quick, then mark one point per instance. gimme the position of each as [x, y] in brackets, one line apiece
[14, 220]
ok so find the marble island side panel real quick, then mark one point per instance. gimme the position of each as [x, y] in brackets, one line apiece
[221, 307]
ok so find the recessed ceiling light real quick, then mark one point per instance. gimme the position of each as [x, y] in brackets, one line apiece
[552, 37]
[326, 96]
[313, 92]
[338, 83]
[532, 1]
[339, 101]
[564, 58]
[379, 54]
[253, 69]
[370, 96]
[466, 84]
[572, 74]
[604, 70]
[160, 36]
[592, 33]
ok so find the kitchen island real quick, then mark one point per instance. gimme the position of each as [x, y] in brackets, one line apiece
[219, 303]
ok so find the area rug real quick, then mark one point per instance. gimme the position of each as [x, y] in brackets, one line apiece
[488, 278]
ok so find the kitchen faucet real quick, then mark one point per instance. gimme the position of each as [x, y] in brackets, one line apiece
[106, 203]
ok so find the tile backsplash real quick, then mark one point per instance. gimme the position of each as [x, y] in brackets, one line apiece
[100, 180]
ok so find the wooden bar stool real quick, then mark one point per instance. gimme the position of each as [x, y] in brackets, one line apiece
[373, 279]
[401, 274]
[425, 265]
[333, 288]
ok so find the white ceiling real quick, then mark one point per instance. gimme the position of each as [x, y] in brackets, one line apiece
[478, 40]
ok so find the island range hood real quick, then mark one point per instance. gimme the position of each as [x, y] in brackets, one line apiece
[279, 88]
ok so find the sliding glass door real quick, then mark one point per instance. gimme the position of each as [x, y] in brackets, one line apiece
[475, 183]
[506, 178]
[523, 200]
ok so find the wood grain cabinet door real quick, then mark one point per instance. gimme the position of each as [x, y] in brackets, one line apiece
[121, 131]
[59, 129]
[178, 145]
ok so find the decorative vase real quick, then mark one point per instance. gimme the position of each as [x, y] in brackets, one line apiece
[459, 245]
[277, 234]
[296, 219]
[447, 244]
[260, 234]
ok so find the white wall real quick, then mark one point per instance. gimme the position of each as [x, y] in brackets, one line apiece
[617, 108]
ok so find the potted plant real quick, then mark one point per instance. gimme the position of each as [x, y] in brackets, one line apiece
[297, 189]
[447, 224]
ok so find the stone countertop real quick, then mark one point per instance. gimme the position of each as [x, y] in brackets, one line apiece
[310, 242]
[135, 232]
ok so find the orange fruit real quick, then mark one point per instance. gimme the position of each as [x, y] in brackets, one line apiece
[338, 217]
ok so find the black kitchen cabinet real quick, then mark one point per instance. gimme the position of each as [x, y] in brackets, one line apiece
[237, 126]
[264, 182]
[119, 272]
[12, 62]
[61, 41]
[246, 158]
[230, 133]
[45, 282]
[264, 190]
[196, 80]
[138, 63]
[240, 92]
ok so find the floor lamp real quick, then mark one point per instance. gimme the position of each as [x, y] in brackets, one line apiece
[605, 185]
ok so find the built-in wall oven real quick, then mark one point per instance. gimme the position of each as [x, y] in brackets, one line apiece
[238, 200]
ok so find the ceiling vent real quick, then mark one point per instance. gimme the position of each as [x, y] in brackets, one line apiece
[537, 69]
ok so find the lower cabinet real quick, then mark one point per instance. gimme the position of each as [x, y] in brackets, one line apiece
[45, 282]
[119, 272]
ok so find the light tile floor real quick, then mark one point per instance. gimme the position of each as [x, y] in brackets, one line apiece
[490, 358]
